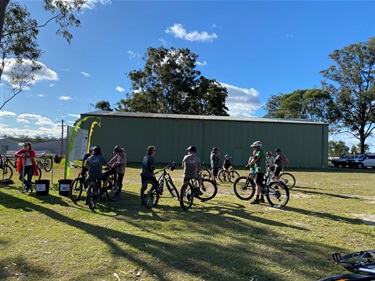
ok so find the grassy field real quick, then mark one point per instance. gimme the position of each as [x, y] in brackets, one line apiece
[51, 238]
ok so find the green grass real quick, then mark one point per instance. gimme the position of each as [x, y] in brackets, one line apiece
[51, 238]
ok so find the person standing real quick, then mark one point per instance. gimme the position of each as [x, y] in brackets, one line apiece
[191, 165]
[119, 161]
[259, 162]
[279, 160]
[215, 162]
[26, 165]
[148, 166]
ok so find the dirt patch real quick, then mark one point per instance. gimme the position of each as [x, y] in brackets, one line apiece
[367, 219]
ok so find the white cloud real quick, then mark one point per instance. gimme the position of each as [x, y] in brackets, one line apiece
[85, 74]
[179, 32]
[74, 115]
[44, 73]
[41, 95]
[133, 55]
[242, 102]
[29, 116]
[120, 89]
[6, 113]
[201, 63]
[65, 98]
[20, 120]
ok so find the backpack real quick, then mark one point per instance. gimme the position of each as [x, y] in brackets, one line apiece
[285, 161]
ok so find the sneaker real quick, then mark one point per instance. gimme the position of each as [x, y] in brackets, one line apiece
[261, 200]
[256, 201]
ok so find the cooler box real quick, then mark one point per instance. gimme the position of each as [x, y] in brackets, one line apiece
[64, 187]
[41, 187]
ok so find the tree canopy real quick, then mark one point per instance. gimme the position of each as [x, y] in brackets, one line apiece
[310, 104]
[19, 49]
[169, 83]
[352, 89]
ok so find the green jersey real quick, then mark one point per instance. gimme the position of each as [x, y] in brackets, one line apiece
[260, 165]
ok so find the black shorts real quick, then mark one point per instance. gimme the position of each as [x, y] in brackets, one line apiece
[277, 172]
[260, 178]
[215, 171]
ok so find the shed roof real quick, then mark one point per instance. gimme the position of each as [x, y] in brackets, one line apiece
[199, 117]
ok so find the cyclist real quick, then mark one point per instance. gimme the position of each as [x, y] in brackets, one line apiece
[94, 164]
[191, 165]
[270, 162]
[227, 162]
[215, 162]
[279, 160]
[84, 169]
[259, 162]
[148, 166]
[119, 161]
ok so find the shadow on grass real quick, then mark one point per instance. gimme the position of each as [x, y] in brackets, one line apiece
[239, 256]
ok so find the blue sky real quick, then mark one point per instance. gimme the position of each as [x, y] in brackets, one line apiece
[254, 48]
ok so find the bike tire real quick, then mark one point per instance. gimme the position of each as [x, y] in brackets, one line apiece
[234, 175]
[349, 277]
[6, 172]
[40, 175]
[149, 194]
[92, 195]
[244, 188]
[172, 188]
[48, 164]
[224, 176]
[288, 179]
[277, 195]
[113, 191]
[209, 190]
[206, 174]
[76, 188]
[186, 196]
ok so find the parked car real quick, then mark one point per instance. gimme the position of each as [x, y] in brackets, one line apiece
[343, 161]
[364, 161]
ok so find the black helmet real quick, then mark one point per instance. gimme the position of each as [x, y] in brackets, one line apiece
[192, 149]
[117, 148]
[97, 150]
[91, 148]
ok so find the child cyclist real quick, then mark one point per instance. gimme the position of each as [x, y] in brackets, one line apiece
[259, 162]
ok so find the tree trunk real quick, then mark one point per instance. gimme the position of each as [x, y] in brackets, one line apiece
[3, 7]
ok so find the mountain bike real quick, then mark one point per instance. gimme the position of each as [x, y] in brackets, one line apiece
[191, 189]
[151, 192]
[361, 264]
[229, 175]
[287, 178]
[77, 186]
[45, 162]
[6, 167]
[277, 193]
[97, 192]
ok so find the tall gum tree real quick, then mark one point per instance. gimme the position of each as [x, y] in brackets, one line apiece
[19, 49]
[352, 89]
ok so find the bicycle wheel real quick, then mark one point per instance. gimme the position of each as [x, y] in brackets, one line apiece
[278, 194]
[186, 196]
[48, 164]
[172, 188]
[224, 176]
[288, 179]
[244, 188]
[40, 175]
[348, 277]
[149, 194]
[113, 191]
[75, 189]
[209, 190]
[93, 195]
[6, 172]
[206, 174]
[233, 175]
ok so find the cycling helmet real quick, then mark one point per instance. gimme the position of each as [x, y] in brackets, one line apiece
[278, 150]
[257, 144]
[117, 148]
[226, 155]
[97, 150]
[192, 149]
[91, 148]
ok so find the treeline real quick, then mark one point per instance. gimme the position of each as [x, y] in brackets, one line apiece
[35, 139]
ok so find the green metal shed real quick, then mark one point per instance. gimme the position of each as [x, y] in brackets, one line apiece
[305, 143]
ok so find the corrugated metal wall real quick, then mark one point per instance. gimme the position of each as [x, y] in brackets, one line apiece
[304, 143]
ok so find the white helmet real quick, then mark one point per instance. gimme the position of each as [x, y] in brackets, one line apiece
[257, 144]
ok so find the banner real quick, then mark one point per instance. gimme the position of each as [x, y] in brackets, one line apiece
[70, 142]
